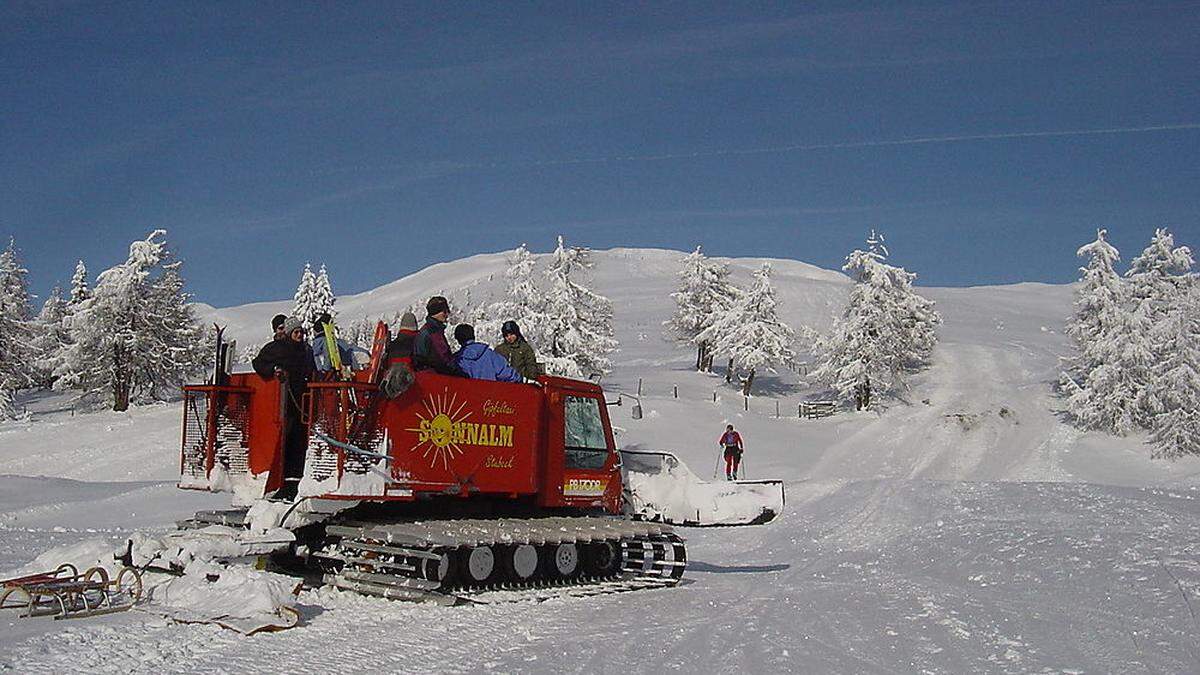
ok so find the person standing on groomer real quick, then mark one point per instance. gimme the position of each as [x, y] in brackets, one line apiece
[430, 349]
[289, 360]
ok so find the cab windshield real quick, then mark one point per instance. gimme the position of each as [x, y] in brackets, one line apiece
[585, 443]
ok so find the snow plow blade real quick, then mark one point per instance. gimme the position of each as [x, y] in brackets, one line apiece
[659, 487]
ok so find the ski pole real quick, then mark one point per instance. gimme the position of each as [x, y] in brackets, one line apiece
[717, 468]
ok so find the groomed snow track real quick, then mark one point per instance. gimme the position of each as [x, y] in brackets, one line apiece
[502, 560]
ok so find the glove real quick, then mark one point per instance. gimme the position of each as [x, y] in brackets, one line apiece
[533, 382]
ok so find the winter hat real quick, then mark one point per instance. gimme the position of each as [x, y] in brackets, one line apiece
[464, 333]
[408, 321]
[290, 324]
[510, 328]
[322, 320]
[437, 304]
[277, 321]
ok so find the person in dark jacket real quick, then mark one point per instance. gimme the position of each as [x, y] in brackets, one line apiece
[277, 326]
[430, 349]
[401, 346]
[478, 360]
[399, 374]
[518, 352]
[289, 361]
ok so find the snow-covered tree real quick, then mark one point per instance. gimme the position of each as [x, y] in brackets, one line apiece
[324, 298]
[1158, 282]
[360, 333]
[576, 337]
[79, 284]
[751, 333]
[53, 336]
[1099, 298]
[136, 337]
[1176, 427]
[17, 353]
[704, 294]
[1113, 345]
[304, 305]
[1160, 275]
[522, 302]
[886, 329]
[8, 409]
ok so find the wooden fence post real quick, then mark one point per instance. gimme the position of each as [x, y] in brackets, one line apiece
[777, 407]
[639, 386]
[675, 391]
[747, 400]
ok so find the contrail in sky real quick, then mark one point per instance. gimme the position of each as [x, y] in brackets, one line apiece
[920, 140]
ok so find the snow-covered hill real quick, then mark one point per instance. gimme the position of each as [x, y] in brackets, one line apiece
[965, 527]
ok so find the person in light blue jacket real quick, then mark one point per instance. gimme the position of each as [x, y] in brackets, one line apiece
[480, 361]
[320, 348]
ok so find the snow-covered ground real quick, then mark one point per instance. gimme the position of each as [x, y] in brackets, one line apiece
[963, 528]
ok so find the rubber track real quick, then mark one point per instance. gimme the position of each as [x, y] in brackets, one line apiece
[385, 560]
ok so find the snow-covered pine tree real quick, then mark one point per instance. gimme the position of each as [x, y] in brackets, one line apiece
[17, 354]
[79, 284]
[184, 342]
[1101, 392]
[361, 333]
[8, 409]
[751, 333]
[80, 292]
[1099, 298]
[1158, 282]
[577, 336]
[304, 302]
[704, 294]
[1175, 430]
[324, 299]
[53, 336]
[136, 337]
[886, 329]
[522, 302]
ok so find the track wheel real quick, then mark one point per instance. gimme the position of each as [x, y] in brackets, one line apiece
[480, 563]
[435, 570]
[603, 558]
[566, 560]
[523, 561]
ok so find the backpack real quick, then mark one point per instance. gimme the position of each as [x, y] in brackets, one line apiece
[398, 378]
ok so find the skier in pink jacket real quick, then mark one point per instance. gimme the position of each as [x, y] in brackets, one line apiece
[732, 442]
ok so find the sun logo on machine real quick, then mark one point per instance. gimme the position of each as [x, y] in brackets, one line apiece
[436, 440]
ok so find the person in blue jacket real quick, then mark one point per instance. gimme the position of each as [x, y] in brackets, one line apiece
[320, 348]
[480, 361]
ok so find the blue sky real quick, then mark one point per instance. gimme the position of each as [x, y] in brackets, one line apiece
[381, 138]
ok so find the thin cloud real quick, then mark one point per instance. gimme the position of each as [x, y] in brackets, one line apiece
[851, 145]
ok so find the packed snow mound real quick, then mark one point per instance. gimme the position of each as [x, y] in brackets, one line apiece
[245, 600]
[661, 488]
[84, 555]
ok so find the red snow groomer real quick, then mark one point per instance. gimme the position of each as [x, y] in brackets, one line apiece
[455, 485]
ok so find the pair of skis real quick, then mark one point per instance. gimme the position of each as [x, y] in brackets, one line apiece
[222, 357]
[378, 347]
